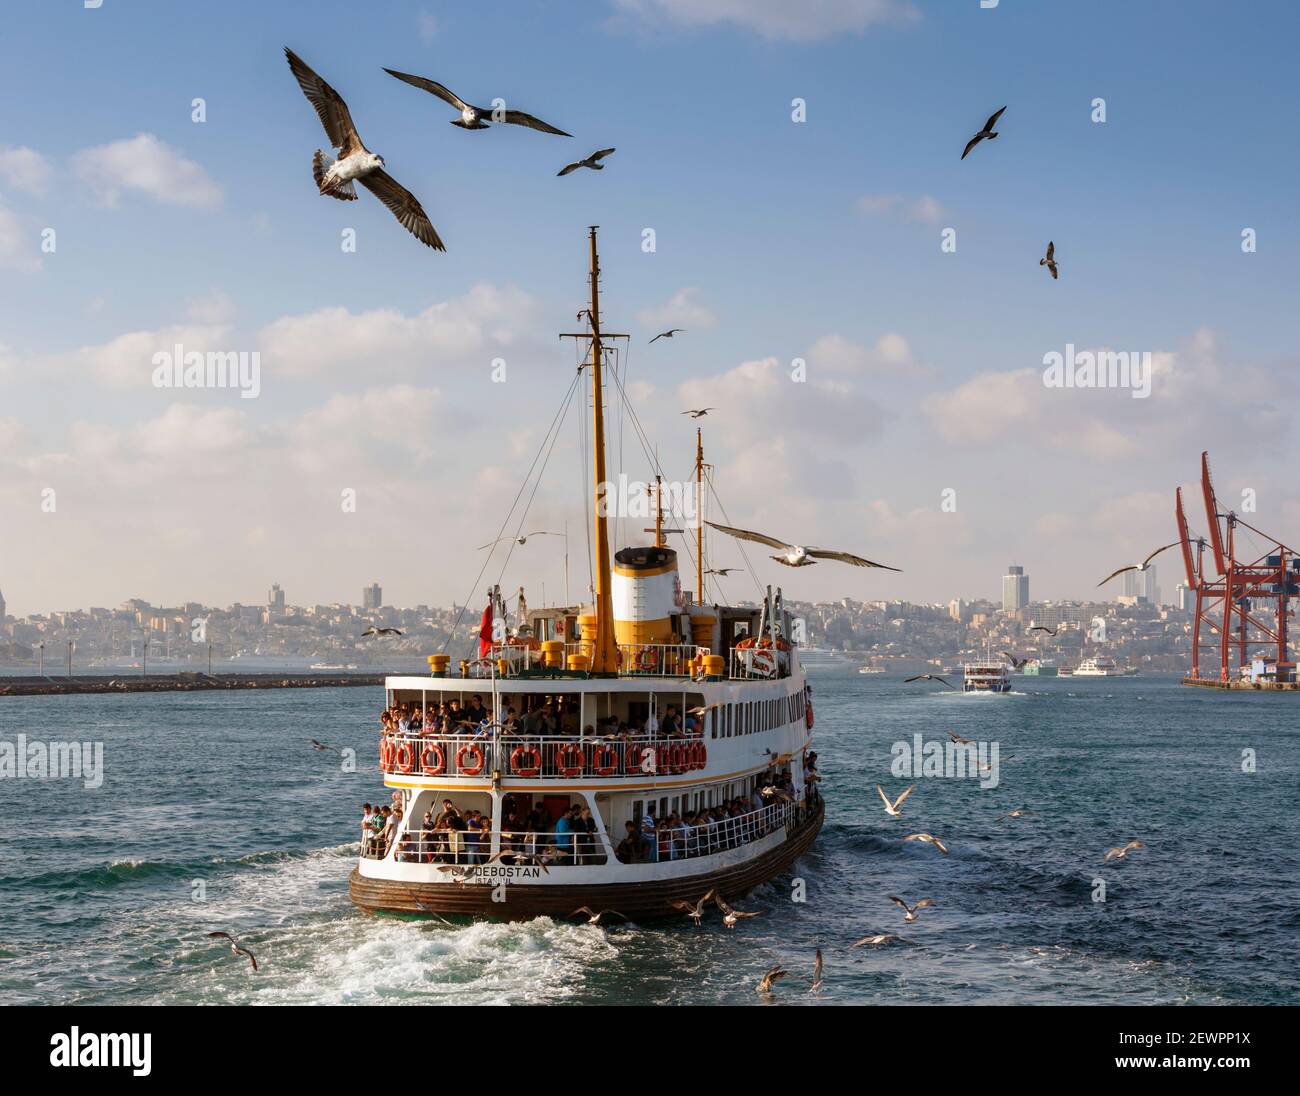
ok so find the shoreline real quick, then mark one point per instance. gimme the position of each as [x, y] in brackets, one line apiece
[179, 682]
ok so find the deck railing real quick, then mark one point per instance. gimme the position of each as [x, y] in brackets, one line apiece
[577, 848]
[540, 756]
[634, 660]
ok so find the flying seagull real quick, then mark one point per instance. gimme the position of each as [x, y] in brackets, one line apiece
[235, 948]
[322, 746]
[373, 631]
[909, 911]
[694, 912]
[594, 917]
[891, 809]
[770, 979]
[929, 839]
[668, 335]
[355, 162]
[591, 162]
[958, 739]
[1122, 852]
[816, 984]
[1050, 260]
[1016, 663]
[1019, 812]
[428, 909]
[929, 677]
[1041, 628]
[878, 938]
[987, 131]
[471, 117]
[1139, 566]
[796, 555]
[723, 571]
[521, 540]
[697, 412]
[730, 916]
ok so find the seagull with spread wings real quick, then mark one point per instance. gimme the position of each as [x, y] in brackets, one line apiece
[235, 947]
[694, 912]
[722, 571]
[929, 839]
[697, 412]
[1139, 567]
[595, 917]
[373, 631]
[875, 940]
[1122, 852]
[1049, 260]
[1042, 628]
[523, 539]
[668, 334]
[356, 163]
[315, 745]
[472, 117]
[891, 808]
[909, 911]
[592, 161]
[986, 132]
[730, 916]
[796, 555]
[929, 677]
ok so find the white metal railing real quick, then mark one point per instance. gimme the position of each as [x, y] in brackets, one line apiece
[634, 660]
[469, 848]
[540, 756]
[685, 841]
[657, 659]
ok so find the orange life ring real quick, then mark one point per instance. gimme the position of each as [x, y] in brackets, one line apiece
[517, 766]
[647, 659]
[808, 715]
[404, 757]
[702, 751]
[480, 761]
[386, 754]
[573, 768]
[605, 767]
[633, 757]
[663, 758]
[763, 663]
[677, 758]
[432, 759]
[745, 643]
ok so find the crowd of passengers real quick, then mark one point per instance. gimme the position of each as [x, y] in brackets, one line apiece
[551, 717]
[451, 836]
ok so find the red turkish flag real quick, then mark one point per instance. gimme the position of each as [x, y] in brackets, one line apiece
[485, 632]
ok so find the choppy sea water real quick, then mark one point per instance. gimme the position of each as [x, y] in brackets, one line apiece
[98, 888]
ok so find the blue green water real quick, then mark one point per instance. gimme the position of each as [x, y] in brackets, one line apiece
[216, 814]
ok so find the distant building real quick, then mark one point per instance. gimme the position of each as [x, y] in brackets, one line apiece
[2, 605]
[1183, 597]
[372, 597]
[958, 610]
[275, 600]
[1141, 585]
[1015, 589]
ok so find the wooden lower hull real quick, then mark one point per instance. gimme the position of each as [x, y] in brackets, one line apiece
[639, 901]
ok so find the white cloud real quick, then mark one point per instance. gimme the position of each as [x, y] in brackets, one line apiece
[25, 169]
[211, 308]
[486, 323]
[920, 208]
[683, 309]
[18, 247]
[127, 360]
[806, 20]
[146, 165]
[891, 354]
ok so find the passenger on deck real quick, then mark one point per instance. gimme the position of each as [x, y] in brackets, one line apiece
[649, 830]
[564, 833]
[671, 724]
[476, 713]
[510, 726]
[590, 843]
[632, 849]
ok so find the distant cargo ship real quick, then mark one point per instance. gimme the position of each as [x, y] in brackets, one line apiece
[1041, 667]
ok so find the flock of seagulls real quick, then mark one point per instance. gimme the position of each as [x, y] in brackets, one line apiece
[796, 555]
[337, 176]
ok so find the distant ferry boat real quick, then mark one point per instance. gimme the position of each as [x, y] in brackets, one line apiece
[1041, 667]
[1101, 667]
[333, 666]
[634, 753]
[871, 670]
[986, 677]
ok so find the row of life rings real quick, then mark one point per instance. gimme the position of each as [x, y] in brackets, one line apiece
[570, 761]
[402, 757]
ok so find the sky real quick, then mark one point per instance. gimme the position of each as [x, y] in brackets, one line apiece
[920, 431]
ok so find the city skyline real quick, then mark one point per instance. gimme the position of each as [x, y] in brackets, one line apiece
[924, 435]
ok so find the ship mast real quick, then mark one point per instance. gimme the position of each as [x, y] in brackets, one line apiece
[604, 650]
[699, 517]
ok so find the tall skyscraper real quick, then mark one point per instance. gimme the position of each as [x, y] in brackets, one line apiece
[1183, 597]
[275, 600]
[372, 596]
[1015, 589]
[1141, 584]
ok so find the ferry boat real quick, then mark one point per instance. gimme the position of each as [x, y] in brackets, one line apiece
[1102, 666]
[987, 676]
[871, 670]
[603, 727]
